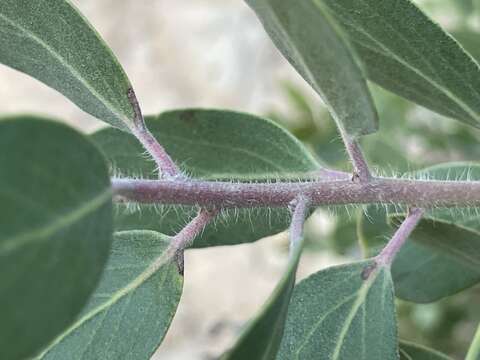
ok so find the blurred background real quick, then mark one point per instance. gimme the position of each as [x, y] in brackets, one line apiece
[214, 53]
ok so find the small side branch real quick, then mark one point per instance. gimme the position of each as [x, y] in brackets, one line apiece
[187, 235]
[300, 207]
[388, 254]
[164, 162]
[360, 165]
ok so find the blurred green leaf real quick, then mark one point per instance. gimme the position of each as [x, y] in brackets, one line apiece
[211, 144]
[51, 41]
[407, 53]
[129, 313]
[337, 314]
[311, 42]
[56, 229]
[410, 351]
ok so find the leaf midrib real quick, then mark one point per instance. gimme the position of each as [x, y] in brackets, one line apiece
[151, 270]
[43, 233]
[108, 105]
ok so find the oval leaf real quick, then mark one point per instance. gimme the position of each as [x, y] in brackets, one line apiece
[131, 310]
[211, 144]
[410, 351]
[337, 314]
[51, 41]
[56, 229]
[308, 38]
[415, 59]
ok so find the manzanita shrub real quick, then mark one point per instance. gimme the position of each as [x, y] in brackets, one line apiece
[86, 275]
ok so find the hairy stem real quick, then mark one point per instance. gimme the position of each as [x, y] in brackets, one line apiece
[300, 207]
[412, 193]
[388, 254]
[164, 162]
[360, 165]
[187, 235]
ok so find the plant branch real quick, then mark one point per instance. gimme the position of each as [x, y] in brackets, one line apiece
[300, 207]
[165, 164]
[412, 193]
[360, 165]
[187, 235]
[388, 254]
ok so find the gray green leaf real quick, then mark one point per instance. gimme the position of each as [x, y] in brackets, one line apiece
[56, 230]
[411, 351]
[211, 144]
[131, 310]
[407, 53]
[309, 39]
[52, 42]
[338, 314]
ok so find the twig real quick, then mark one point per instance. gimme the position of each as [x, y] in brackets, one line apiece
[300, 207]
[187, 235]
[388, 254]
[360, 165]
[165, 164]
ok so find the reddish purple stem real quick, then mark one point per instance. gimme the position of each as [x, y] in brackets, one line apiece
[413, 193]
[388, 254]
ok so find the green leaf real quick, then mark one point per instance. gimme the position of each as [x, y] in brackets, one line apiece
[51, 41]
[407, 53]
[56, 229]
[470, 42]
[308, 38]
[337, 314]
[131, 310]
[211, 144]
[424, 270]
[410, 351]
[474, 350]
[261, 338]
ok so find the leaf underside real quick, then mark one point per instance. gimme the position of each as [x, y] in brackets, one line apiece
[129, 313]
